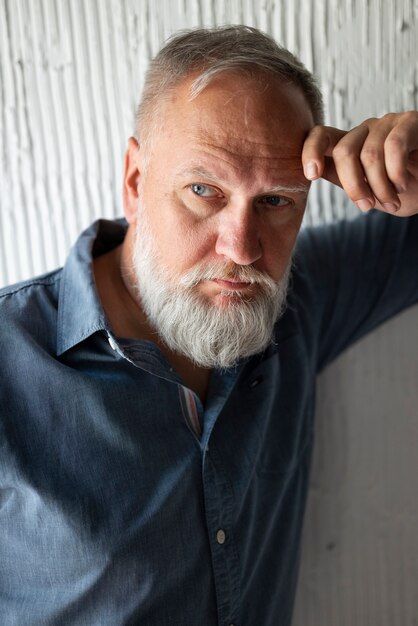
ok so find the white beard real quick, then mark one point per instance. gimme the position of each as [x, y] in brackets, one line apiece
[189, 323]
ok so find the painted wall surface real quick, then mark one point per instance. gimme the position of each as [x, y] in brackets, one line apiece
[70, 76]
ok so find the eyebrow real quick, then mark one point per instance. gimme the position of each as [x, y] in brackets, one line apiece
[290, 188]
[198, 171]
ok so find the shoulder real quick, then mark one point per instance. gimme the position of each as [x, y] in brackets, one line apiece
[49, 278]
[360, 249]
[41, 289]
[365, 232]
[29, 306]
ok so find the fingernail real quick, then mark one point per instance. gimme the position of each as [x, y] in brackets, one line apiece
[399, 189]
[392, 208]
[364, 204]
[311, 170]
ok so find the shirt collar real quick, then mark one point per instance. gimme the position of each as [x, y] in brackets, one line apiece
[80, 313]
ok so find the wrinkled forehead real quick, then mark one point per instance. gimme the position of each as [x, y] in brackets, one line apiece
[252, 116]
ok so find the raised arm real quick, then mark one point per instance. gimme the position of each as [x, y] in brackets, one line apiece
[376, 163]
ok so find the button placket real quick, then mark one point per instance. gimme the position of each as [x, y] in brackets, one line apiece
[218, 499]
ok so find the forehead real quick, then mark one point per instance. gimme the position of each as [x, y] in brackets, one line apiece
[238, 122]
[252, 109]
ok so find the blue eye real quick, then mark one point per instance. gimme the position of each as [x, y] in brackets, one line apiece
[203, 190]
[275, 201]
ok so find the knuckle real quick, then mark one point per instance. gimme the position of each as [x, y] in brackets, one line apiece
[341, 151]
[396, 154]
[395, 141]
[370, 154]
[396, 146]
[388, 117]
[397, 175]
[369, 122]
[317, 132]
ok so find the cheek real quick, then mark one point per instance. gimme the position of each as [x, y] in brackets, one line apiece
[183, 244]
[278, 247]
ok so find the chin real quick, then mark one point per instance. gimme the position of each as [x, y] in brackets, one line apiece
[229, 299]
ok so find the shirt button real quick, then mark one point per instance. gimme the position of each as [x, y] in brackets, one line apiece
[220, 536]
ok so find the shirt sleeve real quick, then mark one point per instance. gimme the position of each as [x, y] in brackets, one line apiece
[352, 276]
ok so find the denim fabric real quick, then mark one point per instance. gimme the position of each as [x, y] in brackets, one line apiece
[114, 509]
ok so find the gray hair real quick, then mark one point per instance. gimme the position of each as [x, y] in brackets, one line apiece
[210, 52]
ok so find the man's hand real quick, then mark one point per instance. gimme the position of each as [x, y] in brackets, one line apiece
[376, 163]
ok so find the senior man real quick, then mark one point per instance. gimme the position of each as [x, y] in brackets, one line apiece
[157, 392]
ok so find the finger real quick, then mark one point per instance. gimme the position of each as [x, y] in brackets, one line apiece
[372, 158]
[350, 169]
[318, 144]
[400, 146]
[330, 172]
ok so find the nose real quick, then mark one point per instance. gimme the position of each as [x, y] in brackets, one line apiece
[238, 236]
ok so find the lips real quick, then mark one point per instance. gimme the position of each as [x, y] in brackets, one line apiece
[232, 284]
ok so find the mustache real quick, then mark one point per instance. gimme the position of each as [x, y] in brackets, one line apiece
[227, 271]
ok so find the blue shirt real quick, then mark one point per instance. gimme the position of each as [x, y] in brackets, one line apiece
[123, 500]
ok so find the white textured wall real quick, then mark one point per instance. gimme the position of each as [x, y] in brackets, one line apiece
[360, 565]
[70, 75]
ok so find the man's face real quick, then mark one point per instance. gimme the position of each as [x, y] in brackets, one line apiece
[223, 189]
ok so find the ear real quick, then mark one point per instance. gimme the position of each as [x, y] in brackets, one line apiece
[131, 181]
